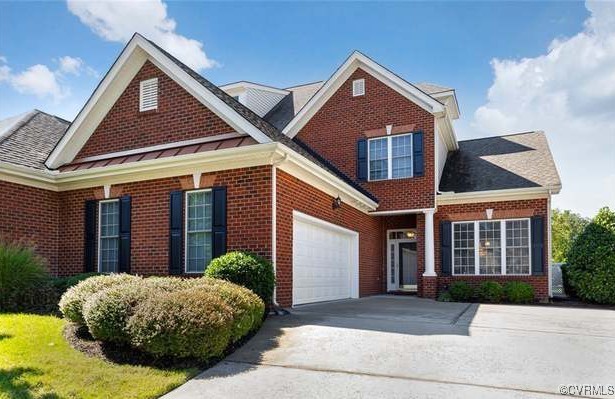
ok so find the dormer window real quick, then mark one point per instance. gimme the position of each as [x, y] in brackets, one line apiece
[148, 95]
[358, 87]
[390, 157]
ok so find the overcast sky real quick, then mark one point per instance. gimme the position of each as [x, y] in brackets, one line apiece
[516, 66]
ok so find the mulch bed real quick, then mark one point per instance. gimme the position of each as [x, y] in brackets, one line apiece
[80, 339]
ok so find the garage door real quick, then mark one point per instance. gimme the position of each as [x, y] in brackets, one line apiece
[325, 261]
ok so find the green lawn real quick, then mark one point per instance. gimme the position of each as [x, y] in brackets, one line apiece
[36, 362]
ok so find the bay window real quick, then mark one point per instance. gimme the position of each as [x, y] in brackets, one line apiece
[390, 157]
[492, 247]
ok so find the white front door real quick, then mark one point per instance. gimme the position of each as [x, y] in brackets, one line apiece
[325, 261]
[402, 263]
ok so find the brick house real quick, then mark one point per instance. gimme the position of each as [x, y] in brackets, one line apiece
[351, 187]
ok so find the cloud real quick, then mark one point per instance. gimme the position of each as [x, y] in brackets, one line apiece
[117, 21]
[569, 92]
[39, 80]
[71, 65]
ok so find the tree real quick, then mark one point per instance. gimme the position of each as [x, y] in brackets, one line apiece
[591, 260]
[565, 228]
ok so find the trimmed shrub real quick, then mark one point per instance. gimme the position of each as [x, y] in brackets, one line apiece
[245, 269]
[445, 296]
[591, 260]
[185, 323]
[106, 313]
[71, 303]
[61, 284]
[461, 291]
[24, 280]
[490, 291]
[518, 292]
[169, 284]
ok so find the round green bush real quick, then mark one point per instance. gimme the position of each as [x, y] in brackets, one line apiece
[23, 277]
[71, 303]
[61, 284]
[106, 313]
[490, 291]
[185, 323]
[518, 292]
[591, 260]
[445, 296]
[461, 291]
[248, 308]
[245, 269]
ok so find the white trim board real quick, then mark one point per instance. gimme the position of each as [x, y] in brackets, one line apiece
[133, 57]
[355, 61]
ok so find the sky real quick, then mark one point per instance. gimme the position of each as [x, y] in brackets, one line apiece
[515, 66]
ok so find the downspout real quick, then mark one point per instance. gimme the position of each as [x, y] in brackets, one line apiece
[549, 254]
[274, 227]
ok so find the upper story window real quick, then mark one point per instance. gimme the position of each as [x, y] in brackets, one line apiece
[492, 247]
[390, 157]
[109, 236]
[148, 95]
[358, 87]
[198, 230]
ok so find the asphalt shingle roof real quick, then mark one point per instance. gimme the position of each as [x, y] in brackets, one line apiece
[32, 139]
[431, 88]
[497, 163]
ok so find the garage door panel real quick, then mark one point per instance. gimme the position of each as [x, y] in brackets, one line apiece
[322, 262]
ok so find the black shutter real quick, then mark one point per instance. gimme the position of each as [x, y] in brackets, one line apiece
[175, 232]
[125, 218]
[219, 222]
[418, 160]
[362, 159]
[89, 251]
[537, 245]
[446, 251]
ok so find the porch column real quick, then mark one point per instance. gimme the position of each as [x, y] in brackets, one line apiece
[430, 264]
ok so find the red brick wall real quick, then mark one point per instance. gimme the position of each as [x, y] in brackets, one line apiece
[30, 215]
[179, 117]
[248, 217]
[502, 210]
[334, 130]
[293, 194]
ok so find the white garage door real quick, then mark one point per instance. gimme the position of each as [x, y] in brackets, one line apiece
[325, 261]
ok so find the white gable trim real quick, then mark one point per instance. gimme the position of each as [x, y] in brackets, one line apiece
[355, 61]
[135, 54]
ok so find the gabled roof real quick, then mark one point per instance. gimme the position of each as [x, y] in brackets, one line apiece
[135, 54]
[30, 138]
[514, 161]
[431, 88]
[243, 84]
[352, 63]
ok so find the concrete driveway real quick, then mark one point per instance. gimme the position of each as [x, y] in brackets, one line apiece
[407, 347]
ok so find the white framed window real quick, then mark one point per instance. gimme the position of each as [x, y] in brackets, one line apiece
[358, 87]
[492, 247]
[390, 157]
[148, 95]
[198, 225]
[108, 235]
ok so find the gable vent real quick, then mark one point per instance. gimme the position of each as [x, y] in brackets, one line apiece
[148, 95]
[358, 87]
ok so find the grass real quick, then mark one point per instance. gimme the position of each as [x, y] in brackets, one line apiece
[37, 362]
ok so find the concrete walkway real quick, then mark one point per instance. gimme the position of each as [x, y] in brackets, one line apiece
[407, 347]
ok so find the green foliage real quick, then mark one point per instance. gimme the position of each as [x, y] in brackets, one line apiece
[61, 284]
[591, 260]
[518, 292]
[106, 313]
[565, 228]
[245, 269]
[490, 291]
[24, 280]
[461, 291]
[185, 323]
[445, 296]
[71, 303]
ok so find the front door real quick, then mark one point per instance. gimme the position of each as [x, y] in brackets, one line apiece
[407, 265]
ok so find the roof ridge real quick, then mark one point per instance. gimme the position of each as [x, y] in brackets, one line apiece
[21, 122]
